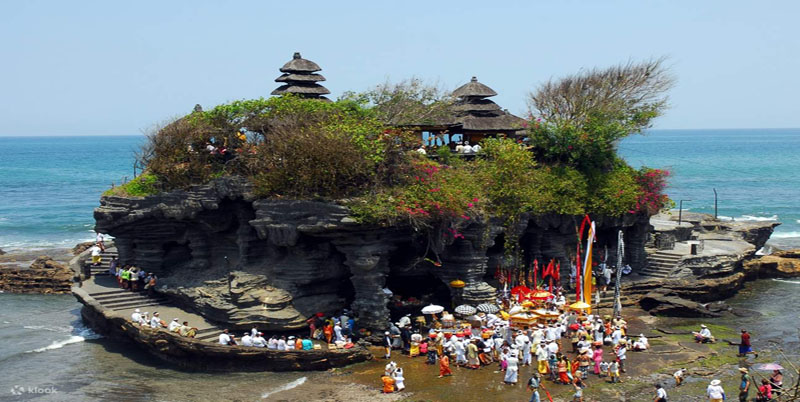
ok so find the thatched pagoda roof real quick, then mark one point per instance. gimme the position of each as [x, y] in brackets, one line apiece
[289, 77]
[502, 122]
[475, 105]
[299, 78]
[303, 89]
[474, 89]
[299, 65]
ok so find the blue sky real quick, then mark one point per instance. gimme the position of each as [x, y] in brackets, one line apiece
[71, 68]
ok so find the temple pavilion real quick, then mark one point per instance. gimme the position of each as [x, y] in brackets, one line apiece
[474, 118]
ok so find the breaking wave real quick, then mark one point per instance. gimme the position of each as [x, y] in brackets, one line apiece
[750, 218]
[294, 384]
[58, 344]
[784, 235]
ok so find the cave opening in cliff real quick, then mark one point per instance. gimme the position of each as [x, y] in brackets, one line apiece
[412, 292]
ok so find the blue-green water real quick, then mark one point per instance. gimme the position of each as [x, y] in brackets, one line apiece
[755, 172]
[49, 185]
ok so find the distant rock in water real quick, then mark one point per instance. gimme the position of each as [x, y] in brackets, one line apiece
[45, 275]
[779, 264]
[81, 247]
[2, 252]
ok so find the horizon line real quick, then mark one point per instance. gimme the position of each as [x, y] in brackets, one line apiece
[141, 135]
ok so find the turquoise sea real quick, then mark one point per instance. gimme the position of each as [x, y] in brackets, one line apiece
[49, 185]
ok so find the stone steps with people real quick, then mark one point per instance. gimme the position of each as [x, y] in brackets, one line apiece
[102, 269]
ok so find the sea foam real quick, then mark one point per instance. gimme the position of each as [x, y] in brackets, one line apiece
[58, 344]
[784, 235]
[294, 384]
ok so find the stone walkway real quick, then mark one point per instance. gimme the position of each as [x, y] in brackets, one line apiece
[104, 288]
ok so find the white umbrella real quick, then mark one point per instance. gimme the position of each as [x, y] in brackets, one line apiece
[466, 309]
[432, 309]
[488, 308]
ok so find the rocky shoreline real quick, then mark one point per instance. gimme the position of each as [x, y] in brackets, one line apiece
[193, 354]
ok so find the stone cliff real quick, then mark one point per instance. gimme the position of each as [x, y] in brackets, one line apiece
[244, 261]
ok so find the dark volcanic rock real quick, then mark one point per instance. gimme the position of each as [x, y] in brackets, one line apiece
[240, 261]
[659, 303]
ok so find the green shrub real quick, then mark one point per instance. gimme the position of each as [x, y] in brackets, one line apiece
[144, 185]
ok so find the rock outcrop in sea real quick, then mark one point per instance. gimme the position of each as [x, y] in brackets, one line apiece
[242, 261]
[44, 275]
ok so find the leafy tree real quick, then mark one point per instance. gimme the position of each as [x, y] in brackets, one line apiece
[407, 102]
[579, 119]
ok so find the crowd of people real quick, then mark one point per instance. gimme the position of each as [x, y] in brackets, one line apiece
[564, 350]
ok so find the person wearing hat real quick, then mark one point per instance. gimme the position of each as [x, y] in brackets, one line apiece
[247, 340]
[704, 336]
[512, 368]
[472, 355]
[174, 325]
[291, 343]
[259, 341]
[387, 344]
[715, 392]
[744, 384]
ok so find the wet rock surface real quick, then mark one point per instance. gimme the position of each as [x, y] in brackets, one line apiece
[45, 275]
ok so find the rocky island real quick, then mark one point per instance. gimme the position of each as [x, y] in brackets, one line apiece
[266, 213]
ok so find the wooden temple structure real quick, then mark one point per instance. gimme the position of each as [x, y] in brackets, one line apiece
[474, 117]
[300, 78]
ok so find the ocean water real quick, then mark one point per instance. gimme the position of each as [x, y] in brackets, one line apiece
[754, 171]
[49, 186]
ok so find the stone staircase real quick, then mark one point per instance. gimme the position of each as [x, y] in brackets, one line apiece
[102, 269]
[660, 264]
[121, 299]
[104, 289]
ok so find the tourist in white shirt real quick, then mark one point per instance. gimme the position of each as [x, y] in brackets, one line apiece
[136, 316]
[282, 343]
[155, 322]
[224, 338]
[715, 392]
[247, 340]
[258, 340]
[661, 394]
[272, 343]
[175, 324]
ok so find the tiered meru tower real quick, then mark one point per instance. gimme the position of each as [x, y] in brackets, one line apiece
[299, 77]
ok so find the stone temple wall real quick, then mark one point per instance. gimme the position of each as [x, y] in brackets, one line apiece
[242, 261]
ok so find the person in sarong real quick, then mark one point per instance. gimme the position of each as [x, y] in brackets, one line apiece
[472, 355]
[512, 369]
[444, 366]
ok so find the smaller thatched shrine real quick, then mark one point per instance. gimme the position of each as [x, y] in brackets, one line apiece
[300, 78]
[476, 117]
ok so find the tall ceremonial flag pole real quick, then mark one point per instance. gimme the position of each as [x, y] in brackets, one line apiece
[620, 255]
[587, 269]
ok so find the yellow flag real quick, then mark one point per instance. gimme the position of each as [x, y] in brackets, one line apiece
[587, 273]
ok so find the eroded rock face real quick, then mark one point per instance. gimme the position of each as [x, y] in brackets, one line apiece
[780, 264]
[273, 263]
[45, 275]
